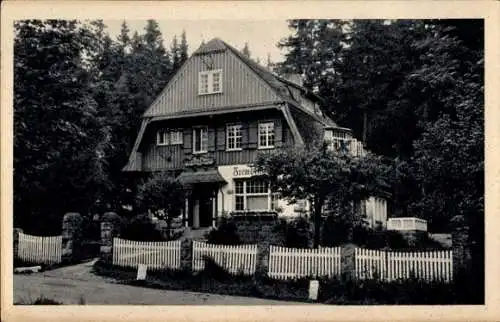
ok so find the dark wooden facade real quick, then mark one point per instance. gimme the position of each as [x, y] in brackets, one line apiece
[170, 157]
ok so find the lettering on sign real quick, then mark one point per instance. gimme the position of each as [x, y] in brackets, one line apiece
[246, 172]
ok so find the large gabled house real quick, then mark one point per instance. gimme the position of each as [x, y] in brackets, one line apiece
[212, 119]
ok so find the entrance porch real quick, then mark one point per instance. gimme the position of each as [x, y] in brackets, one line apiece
[201, 202]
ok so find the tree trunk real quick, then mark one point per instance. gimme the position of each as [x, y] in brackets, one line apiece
[365, 125]
[318, 204]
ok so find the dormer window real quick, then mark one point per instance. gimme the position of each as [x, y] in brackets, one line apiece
[210, 82]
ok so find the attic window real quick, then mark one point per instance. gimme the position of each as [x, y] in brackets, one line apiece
[210, 82]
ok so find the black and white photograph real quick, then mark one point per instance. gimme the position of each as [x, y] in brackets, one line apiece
[298, 161]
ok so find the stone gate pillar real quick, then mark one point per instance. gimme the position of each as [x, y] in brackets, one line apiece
[110, 228]
[348, 261]
[461, 252]
[71, 236]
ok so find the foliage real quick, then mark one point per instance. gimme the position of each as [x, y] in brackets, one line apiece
[317, 174]
[57, 132]
[141, 228]
[78, 98]
[298, 232]
[390, 81]
[161, 192]
[226, 233]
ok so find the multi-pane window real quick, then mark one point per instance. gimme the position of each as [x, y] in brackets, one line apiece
[216, 84]
[175, 137]
[204, 83]
[200, 140]
[233, 137]
[168, 137]
[162, 137]
[266, 135]
[254, 195]
[210, 82]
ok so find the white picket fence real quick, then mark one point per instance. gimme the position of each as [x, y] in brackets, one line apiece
[287, 263]
[156, 255]
[40, 249]
[392, 265]
[235, 259]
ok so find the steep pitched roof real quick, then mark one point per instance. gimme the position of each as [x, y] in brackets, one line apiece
[280, 85]
[303, 131]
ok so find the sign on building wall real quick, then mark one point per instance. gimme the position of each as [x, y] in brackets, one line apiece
[245, 172]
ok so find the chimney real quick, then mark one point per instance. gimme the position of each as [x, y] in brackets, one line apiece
[294, 78]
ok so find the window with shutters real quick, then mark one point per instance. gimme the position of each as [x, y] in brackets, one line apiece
[200, 140]
[254, 195]
[266, 135]
[210, 82]
[168, 137]
[233, 137]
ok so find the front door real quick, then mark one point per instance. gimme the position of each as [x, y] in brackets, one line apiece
[202, 206]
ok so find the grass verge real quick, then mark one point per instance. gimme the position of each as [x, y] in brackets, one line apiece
[214, 279]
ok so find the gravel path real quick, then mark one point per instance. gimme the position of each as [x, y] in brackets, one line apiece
[70, 285]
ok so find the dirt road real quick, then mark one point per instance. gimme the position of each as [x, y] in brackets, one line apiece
[71, 285]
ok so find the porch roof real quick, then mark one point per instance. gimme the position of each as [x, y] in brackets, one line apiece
[200, 176]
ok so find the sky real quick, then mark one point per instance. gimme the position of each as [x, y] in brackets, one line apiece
[262, 36]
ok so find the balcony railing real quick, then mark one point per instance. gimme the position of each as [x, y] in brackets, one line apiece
[351, 146]
[407, 223]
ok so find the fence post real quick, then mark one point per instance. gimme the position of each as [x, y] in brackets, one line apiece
[71, 236]
[16, 241]
[110, 228]
[186, 254]
[262, 267]
[348, 261]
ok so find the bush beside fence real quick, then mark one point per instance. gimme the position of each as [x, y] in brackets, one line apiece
[40, 249]
[235, 259]
[285, 263]
[156, 255]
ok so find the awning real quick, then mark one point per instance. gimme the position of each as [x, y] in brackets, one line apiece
[203, 176]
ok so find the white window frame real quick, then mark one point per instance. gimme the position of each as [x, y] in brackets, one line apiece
[272, 198]
[162, 137]
[268, 134]
[210, 82]
[176, 137]
[204, 149]
[167, 137]
[232, 137]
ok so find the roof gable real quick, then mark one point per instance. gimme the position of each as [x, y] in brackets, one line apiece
[241, 85]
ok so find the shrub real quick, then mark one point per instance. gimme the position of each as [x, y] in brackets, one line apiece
[141, 228]
[226, 233]
[161, 192]
[297, 232]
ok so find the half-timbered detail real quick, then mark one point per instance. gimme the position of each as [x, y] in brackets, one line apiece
[213, 118]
